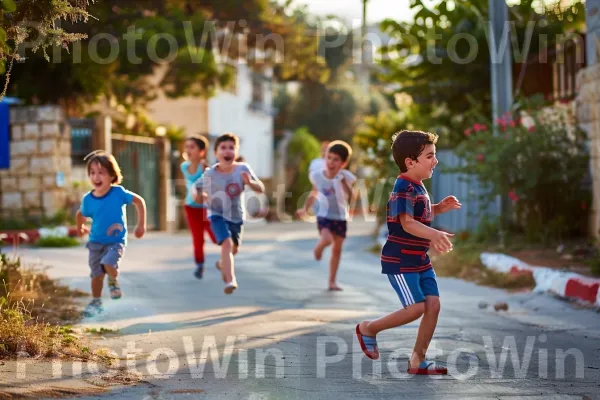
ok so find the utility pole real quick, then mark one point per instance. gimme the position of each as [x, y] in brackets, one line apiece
[364, 65]
[502, 96]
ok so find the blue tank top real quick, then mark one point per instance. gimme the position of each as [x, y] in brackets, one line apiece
[189, 183]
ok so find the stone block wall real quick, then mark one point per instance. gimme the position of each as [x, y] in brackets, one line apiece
[588, 113]
[40, 152]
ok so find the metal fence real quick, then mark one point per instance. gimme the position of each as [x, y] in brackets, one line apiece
[468, 191]
[138, 158]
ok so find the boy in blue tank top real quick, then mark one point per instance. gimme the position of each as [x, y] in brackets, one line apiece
[105, 205]
[404, 256]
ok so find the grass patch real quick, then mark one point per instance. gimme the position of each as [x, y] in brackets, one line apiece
[100, 331]
[22, 335]
[34, 311]
[31, 307]
[464, 263]
[57, 241]
[47, 300]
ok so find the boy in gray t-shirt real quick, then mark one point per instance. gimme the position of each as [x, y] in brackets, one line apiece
[222, 188]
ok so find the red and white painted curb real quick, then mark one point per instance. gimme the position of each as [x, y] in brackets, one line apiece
[33, 235]
[564, 284]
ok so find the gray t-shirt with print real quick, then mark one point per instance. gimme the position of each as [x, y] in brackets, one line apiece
[225, 191]
[332, 202]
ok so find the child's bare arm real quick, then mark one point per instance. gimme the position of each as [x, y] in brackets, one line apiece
[439, 240]
[140, 206]
[347, 186]
[308, 203]
[80, 223]
[254, 184]
[257, 186]
[201, 197]
[447, 204]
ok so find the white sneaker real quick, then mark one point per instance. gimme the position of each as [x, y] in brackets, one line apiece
[230, 287]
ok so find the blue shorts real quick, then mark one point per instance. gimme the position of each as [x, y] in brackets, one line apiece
[412, 287]
[104, 254]
[224, 230]
[336, 227]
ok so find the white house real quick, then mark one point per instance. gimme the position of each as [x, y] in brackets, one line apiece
[245, 109]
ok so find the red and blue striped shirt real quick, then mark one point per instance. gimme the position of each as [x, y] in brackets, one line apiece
[402, 251]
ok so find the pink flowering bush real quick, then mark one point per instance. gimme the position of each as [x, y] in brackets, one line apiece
[539, 162]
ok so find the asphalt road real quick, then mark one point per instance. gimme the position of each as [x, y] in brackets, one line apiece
[283, 336]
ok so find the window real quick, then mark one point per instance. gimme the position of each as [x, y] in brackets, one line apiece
[258, 89]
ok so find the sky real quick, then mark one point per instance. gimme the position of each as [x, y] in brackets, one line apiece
[377, 10]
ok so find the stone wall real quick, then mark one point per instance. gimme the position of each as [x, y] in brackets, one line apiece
[588, 113]
[39, 179]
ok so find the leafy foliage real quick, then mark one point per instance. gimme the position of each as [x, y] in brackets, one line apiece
[540, 161]
[183, 46]
[374, 139]
[302, 149]
[442, 56]
[57, 241]
[35, 22]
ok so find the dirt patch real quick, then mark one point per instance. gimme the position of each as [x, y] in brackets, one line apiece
[550, 258]
[464, 263]
[115, 377]
[52, 393]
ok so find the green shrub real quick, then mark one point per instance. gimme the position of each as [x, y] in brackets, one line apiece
[302, 149]
[539, 161]
[57, 241]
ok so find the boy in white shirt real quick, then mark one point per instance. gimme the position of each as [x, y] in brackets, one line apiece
[332, 189]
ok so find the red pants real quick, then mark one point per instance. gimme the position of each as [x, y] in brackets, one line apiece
[198, 223]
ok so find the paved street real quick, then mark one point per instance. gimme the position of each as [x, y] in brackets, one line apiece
[283, 336]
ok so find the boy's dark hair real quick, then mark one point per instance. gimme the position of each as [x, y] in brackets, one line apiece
[410, 144]
[340, 148]
[199, 140]
[102, 158]
[227, 137]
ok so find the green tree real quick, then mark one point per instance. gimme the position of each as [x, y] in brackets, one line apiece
[193, 69]
[425, 58]
[35, 22]
[302, 149]
[332, 108]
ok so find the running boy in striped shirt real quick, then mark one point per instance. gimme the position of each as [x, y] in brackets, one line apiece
[404, 256]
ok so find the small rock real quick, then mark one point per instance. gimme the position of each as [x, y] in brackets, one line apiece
[469, 357]
[567, 256]
[23, 354]
[560, 248]
[483, 305]
[501, 306]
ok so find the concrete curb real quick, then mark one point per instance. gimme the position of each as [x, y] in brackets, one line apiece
[31, 236]
[563, 284]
